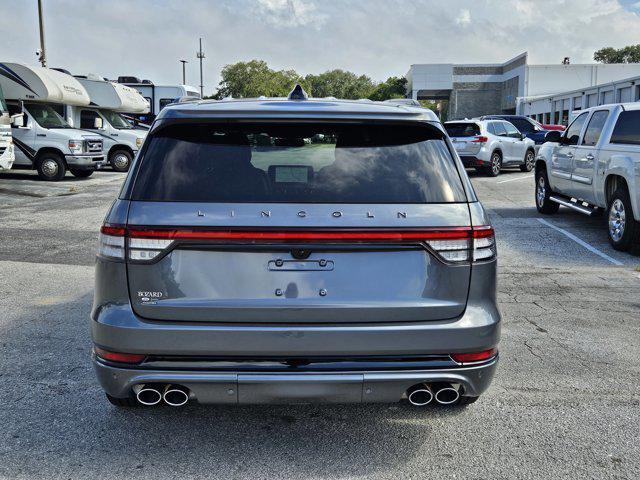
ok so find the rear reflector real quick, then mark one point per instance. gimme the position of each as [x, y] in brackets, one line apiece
[474, 356]
[119, 357]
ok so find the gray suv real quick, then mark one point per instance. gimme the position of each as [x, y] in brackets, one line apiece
[295, 250]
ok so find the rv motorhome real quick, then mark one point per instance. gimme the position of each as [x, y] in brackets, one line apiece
[103, 117]
[6, 144]
[158, 96]
[43, 139]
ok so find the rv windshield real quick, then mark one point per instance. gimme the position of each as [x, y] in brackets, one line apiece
[116, 120]
[46, 116]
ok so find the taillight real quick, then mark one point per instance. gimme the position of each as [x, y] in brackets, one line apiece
[480, 139]
[111, 243]
[451, 244]
[474, 357]
[118, 356]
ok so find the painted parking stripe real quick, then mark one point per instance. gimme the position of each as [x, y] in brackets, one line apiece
[514, 179]
[581, 242]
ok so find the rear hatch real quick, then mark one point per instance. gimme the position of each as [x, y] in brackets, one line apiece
[465, 136]
[298, 223]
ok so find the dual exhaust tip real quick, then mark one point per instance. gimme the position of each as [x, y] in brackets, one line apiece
[153, 394]
[423, 394]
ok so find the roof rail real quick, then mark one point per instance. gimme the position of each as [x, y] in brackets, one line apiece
[298, 93]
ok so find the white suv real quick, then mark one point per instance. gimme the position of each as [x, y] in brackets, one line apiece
[490, 145]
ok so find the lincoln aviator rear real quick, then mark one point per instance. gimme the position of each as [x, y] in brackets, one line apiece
[295, 250]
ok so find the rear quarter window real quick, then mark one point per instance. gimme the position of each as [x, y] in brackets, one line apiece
[298, 163]
[462, 129]
[627, 129]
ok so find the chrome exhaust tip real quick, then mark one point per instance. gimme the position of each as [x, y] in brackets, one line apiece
[147, 394]
[446, 394]
[175, 395]
[420, 395]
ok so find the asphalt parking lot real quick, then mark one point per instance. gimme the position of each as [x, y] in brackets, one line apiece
[565, 402]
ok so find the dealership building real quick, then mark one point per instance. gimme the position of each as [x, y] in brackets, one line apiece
[515, 86]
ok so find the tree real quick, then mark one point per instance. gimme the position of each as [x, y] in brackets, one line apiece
[255, 78]
[628, 54]
[393, 87]
[340, 84]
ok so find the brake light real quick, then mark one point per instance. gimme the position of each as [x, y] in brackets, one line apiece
[480, 139]
[452, 244]
[119, 357]
[474, 356]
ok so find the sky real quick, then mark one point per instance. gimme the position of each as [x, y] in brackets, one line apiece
[379, 38]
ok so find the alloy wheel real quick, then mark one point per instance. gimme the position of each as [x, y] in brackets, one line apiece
[541, 191]
[617, 220]
[495, 164]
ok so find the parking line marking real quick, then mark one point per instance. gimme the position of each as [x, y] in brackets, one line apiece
[581, 242]
[514, 179]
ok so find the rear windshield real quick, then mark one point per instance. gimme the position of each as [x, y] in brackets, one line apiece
[302, 163]
[462, 129]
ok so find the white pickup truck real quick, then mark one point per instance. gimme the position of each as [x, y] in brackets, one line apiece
[594, 165]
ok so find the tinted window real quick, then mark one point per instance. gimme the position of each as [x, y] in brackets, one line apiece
[163, 102]
[523, 125]
[499, 128]
[462, 129]
[303, 163]
[87, 119]
[594, 129]
[511, 130]
[627, 129]
[573, 132]
[46, 116]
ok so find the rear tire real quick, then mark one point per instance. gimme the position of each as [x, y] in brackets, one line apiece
[622, 228]
[81, 173]
[120, 160]
[122, 402]
[51, 167]
[495, 164]
[542, 194]
[529, 161]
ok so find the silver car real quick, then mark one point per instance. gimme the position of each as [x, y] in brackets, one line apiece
[295, 250]
[490, 145]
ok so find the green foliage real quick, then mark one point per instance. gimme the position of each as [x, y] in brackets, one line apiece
[629, 54]
[339, 83]
[393, 87]
[254, 78]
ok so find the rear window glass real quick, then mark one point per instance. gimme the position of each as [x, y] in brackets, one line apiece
[301, 163]
[462, 129]
[627, 129]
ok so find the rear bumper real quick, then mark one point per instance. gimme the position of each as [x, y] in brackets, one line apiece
[265, 388]
[471, 161]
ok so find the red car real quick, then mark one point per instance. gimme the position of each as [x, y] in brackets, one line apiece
[547, 126]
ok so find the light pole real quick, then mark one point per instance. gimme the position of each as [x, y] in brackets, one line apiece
[200, 55]
[42, 57]
[184, 77]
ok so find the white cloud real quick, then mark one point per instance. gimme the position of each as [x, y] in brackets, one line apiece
[380, 38]
[290, 13]
[464, 18]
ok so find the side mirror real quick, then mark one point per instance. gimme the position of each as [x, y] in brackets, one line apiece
[522, 136]
[553, 136]
[97, 123]
[18, 120]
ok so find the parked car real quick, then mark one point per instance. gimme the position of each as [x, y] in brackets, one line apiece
[552, 126]
[490, 145]
[594, 165]
[343, 258]
[526, 125]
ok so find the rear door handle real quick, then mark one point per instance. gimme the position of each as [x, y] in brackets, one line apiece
[590, 157]
[569, 155]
